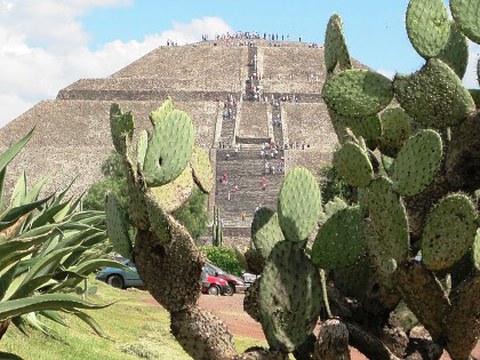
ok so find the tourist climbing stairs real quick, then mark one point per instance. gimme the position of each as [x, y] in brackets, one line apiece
[251, 84]
[277, 123]
[227, 134]
[245, 183]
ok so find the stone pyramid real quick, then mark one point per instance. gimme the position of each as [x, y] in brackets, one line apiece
[276, 91]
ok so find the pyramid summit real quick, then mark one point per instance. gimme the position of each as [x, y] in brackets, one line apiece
[256, 106]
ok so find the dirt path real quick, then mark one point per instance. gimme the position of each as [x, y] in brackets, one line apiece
[230, 310]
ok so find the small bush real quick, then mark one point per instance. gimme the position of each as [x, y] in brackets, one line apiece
[143, 349]
[224, 258]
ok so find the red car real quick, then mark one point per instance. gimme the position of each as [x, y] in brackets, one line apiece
[235, 284]
[213, 285]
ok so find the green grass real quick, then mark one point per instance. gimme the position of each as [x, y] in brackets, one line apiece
[135, 329]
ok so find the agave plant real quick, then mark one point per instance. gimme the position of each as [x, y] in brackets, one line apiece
[47, 247]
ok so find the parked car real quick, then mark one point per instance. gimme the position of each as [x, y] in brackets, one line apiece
[213, 285]
[121, 278]
[235, 283]
[249, 278]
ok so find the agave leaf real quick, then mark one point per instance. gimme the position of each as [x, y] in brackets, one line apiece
[13, 150]
[87, 267]
[34, 192]
[19, 191]
[3, 172]
[59, 197]
[27, 288]
[13, 308]
[90, 322]
[88, 217]
[44, 265]
[14, 257]
[6, 279]
[49, 216]
[9, 217]
[53, 315]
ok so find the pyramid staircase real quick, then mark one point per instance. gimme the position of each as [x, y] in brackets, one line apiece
[251, 183]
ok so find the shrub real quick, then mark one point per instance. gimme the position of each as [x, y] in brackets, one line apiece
[224, 258]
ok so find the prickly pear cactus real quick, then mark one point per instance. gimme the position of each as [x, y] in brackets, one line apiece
[416, 216]
[289, 297]
[336, 51]
[434, 96]
[417, 163]
[352, 162]
[449, 232]
[340, 241]
[266, 231]
[169, 148]
[357, 92]
[428, 26]
[299, 204]
[117, 227]
[161, 180]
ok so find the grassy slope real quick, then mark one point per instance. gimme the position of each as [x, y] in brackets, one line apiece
[135, 330]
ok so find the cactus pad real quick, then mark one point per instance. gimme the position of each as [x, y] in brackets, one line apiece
[142, 144]
[340, 241]
[201, 170]
[455, 53]
[357, 93]
[352, 280]
[120, 125]
[289, 297]
[466, 14]
[449, 232]
[417, 163]
[388, 219]
[369, 128]
[382, 261]
[428, 26]
[331, 207]
[299, 204]
[336, 51]
[174, 194]
[476, 250]
[434, 96]
[353, 164]
[169, 148]
[160, 114]
[396, 128]
[117, 226]
[266, 231]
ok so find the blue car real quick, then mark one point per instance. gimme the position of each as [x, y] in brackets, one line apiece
[121, 278]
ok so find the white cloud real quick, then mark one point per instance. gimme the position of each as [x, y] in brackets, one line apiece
[470, 78]
[387, 73]
[44, 48]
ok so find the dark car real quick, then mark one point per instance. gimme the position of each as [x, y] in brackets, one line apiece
[121, 278]
[235, 283]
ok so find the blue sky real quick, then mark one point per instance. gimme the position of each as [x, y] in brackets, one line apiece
[374, 28]
[47, 44]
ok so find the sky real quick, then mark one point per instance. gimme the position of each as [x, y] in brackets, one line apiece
[46, 45]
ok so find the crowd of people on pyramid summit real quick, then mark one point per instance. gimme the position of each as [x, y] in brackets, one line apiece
[247, 38]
